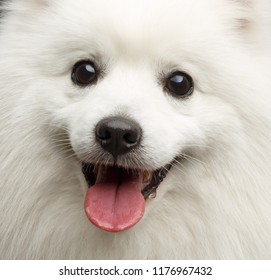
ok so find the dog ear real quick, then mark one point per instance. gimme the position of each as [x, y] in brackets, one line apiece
[38, 2]
[252, 21]
[6, 5]
[243, 14]
[22, 6]
[249, 15]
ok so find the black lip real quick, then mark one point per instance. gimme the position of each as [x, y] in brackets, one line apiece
[88, 171]
[158, 176]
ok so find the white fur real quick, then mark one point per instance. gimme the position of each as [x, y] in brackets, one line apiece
[214, 204]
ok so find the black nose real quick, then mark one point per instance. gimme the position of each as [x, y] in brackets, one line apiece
[118, 135]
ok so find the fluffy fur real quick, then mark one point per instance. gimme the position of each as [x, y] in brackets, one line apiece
[215, 203]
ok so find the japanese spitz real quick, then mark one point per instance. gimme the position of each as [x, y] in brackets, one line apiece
[135, 129]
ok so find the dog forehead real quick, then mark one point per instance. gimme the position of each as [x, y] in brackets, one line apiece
[134, 25]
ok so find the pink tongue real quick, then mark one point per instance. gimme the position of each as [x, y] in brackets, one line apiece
[114, 206]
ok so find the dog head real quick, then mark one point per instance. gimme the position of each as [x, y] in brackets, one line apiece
[138, 88]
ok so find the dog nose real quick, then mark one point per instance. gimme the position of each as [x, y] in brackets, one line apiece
[118, 135]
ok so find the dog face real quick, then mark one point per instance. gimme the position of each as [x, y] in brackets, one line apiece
[161, 80]
[133, 92]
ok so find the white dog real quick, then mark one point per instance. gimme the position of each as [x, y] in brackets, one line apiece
[135, 129]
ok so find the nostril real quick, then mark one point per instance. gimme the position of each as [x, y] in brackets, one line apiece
[103, 133]
[131, 137]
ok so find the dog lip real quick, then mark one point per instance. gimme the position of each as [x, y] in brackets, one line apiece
[152, 178]
[89, 173]
[158, 176]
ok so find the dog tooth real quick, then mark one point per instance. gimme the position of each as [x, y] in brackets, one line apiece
[152, 195]
[147, 175]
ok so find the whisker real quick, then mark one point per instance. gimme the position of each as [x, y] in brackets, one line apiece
[191, 159]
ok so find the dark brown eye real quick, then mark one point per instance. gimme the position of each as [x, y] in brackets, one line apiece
[84, 73]
[179, 84]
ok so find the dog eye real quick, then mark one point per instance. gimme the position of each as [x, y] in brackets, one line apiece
[84, 73]
[179, 84]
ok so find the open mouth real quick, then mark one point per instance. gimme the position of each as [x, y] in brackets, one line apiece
[115, 200]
